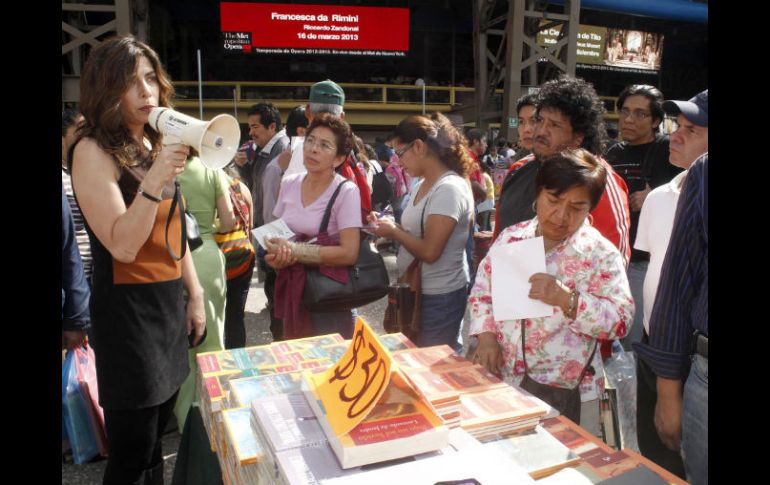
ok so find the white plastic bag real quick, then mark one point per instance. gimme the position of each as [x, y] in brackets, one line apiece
[620, 370]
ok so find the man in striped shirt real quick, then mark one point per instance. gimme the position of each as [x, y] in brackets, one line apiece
[69, 121]
[677, 351]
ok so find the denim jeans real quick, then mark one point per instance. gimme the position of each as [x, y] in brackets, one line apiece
[237, 292]
[637, 270]
[442, 318]
[695, 422]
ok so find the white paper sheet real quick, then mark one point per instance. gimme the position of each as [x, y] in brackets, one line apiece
[512, 266]
[277, 228]
[297, 162]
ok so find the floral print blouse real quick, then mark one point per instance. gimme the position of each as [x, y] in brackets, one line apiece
[558, 347]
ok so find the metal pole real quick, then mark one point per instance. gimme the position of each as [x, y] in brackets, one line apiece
[200, 86]
[423, 98]
[235, 102]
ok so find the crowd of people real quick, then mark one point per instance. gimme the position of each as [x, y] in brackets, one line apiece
[623, 229]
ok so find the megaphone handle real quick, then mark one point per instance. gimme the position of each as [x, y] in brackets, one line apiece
[171, 139]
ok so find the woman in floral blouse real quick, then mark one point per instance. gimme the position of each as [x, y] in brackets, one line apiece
[586, 284]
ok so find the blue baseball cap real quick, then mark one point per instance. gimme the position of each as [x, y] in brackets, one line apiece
[696, 110]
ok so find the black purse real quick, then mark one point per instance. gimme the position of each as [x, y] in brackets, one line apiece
[190, 232]
[367, 279]
[566, 401]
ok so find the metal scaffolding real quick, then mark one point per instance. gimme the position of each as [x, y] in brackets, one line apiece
[84, 25]
[506, 52]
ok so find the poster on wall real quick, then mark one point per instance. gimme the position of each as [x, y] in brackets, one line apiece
[276, 28]
[610, 49]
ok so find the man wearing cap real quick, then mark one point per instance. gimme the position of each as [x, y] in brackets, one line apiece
[676, 348]
[328, 97]
[642, 160]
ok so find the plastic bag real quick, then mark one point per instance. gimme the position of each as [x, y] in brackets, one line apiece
[85, 370]
[620, 371]
[75, 412]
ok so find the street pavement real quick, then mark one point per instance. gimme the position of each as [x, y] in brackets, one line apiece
[257, 333]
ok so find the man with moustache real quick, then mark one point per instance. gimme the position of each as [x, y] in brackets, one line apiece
[642, 160]
[568, 114]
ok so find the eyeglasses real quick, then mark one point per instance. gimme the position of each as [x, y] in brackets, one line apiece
[311, 142]
[405, 149]
[637, 114]
[669, 125]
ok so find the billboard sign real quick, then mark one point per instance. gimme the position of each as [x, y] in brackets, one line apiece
[610, 49]
[275, 28]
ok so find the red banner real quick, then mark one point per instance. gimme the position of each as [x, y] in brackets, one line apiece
[314, 29]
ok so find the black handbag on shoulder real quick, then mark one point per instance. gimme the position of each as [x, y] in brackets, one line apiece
[566, 401]
[190, 231]
[367, 279]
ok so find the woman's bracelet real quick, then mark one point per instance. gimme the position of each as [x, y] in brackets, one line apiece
[144, 194]
[573, 299]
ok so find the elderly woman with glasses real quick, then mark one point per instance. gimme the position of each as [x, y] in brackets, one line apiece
[585, 283]
[435, 222]
[301, 204]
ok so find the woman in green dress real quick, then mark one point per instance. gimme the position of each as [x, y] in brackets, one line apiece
[207, 198]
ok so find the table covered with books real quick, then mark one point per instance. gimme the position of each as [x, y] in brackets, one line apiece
[377, 409]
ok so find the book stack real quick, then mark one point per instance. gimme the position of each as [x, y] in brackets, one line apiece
[242, 455]
[499, 412]
[216, 370]
[537, 451]
[401, 424]
[396, 341]
[438, 357]
[284, 422]
[443, 385]
[600, 462]
[317, 464]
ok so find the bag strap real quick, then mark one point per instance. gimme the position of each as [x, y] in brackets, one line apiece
[524, 355]
[236, 198]
[328, 211]
[177, 200]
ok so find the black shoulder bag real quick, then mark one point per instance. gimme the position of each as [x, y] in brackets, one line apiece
[190, 232]
[566, 401]
[367, 279]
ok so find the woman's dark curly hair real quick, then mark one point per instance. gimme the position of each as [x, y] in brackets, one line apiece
[441, 138]
[342, 133]
[578, 101]
[108, 73]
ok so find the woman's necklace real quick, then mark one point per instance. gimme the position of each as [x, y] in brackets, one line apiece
[548, 243]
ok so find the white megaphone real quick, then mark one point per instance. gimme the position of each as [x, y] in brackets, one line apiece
[216, 141]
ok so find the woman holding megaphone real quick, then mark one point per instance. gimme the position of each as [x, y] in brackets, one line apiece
[123, 179]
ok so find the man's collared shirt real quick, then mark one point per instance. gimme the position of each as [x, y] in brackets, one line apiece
[681, 303]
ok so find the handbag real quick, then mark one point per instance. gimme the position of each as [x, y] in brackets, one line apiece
[367, 279]
[77, 414]
[85, 371]
[566, 401]
[404, 311]
[236, 244]
[189, 226]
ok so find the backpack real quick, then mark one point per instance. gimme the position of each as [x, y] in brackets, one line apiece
[382, 190]
[236, 244]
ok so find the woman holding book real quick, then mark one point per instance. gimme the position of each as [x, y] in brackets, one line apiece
[585, 282]
[301, 204]
[123, 179]
[435, 222]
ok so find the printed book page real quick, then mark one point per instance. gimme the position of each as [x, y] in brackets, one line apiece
[277, 228]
